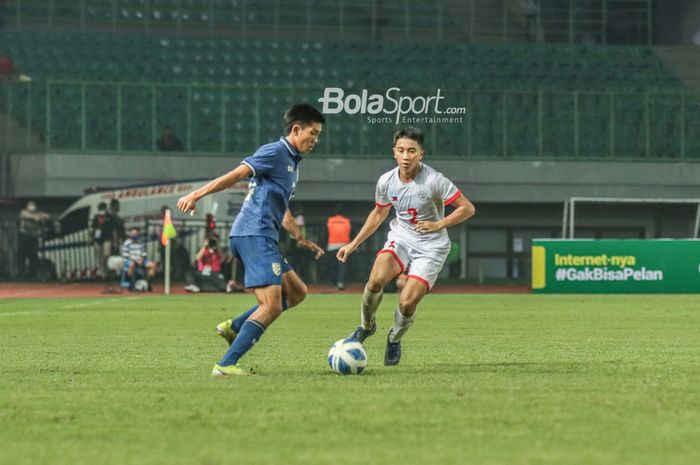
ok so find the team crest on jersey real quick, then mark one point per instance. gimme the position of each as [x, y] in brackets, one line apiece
[276, 269]
[423, 196]
[394, 198]
[290, 169]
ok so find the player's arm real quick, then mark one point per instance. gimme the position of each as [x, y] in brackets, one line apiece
[200, 252]
[292, 228]
[189, 201]
[464, 210]
[375, 218]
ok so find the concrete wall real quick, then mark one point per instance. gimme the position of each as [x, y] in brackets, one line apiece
[62, 175]
[516, 201]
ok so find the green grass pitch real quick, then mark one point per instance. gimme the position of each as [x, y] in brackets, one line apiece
[485, 379]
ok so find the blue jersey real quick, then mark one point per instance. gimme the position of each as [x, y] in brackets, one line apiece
[275, 169]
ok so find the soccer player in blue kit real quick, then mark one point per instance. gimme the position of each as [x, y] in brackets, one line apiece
[274, 172]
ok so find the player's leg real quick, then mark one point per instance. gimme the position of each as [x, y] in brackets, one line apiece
[293, 293]
[229, 329]
[263, 272]
[293, 289]
[269, 309]
[424, 271]
[404, 316]
[387, 265]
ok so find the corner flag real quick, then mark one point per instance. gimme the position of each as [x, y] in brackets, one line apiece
[168, 229]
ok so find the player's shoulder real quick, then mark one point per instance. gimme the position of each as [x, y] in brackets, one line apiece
[433, 175]
[388, 176]
[270, 149]
[429, 171]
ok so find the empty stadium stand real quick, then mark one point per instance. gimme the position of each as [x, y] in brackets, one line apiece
[114, 91]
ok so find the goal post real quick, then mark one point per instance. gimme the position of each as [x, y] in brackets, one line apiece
[569, 210]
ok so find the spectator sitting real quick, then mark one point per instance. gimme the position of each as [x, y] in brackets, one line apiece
[136, 265]
[208, 276]
[168, 141]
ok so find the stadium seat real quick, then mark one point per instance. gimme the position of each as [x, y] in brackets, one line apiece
[484, 70]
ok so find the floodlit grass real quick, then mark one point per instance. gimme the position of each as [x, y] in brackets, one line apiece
[485, 379]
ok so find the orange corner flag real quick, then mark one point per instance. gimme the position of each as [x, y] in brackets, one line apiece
[168, 229]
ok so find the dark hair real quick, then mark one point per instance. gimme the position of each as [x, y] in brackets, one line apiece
[102, 206]
[302, 114]
[212, 243]
[409, 133]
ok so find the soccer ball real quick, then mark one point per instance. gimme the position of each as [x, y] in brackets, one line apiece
[347, 357]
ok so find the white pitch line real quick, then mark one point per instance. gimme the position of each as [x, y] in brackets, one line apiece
[20, 313]
[97, 302]
[88, 304]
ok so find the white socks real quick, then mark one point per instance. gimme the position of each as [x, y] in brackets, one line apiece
[401, 325]
[370, 302]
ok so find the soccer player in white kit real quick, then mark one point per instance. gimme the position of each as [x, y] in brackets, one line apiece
[417, 242]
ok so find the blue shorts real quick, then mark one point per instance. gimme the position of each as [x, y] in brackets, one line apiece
[261, 258]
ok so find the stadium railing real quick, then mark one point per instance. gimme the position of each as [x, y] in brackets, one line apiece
[94, 117]
[568, 21]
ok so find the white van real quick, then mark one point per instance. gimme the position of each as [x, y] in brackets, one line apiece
[144, 202]
[69, 247]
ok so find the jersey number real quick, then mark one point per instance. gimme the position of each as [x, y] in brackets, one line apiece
[414, 214]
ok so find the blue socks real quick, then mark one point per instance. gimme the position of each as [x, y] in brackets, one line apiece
[250, 333]
[237, 323]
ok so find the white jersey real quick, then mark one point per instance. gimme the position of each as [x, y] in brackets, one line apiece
[422, 199]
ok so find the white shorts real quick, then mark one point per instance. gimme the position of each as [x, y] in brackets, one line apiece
[422, 265]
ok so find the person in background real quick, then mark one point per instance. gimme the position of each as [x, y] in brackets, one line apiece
[300, 220]
[210, 227]
[31, 222]
[338, 227]
[297, 256]
[136, 264]
[531, 12]
[8, 70]
[102, 238]
[7, 67]
[208, 275]
[118, 230]
[168, 141]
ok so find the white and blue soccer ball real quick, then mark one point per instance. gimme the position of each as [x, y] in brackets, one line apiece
[347, 357]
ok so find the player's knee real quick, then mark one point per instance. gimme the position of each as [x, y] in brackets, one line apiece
[407, 306]
[296, 297]
[274, 310]
[375, 285]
